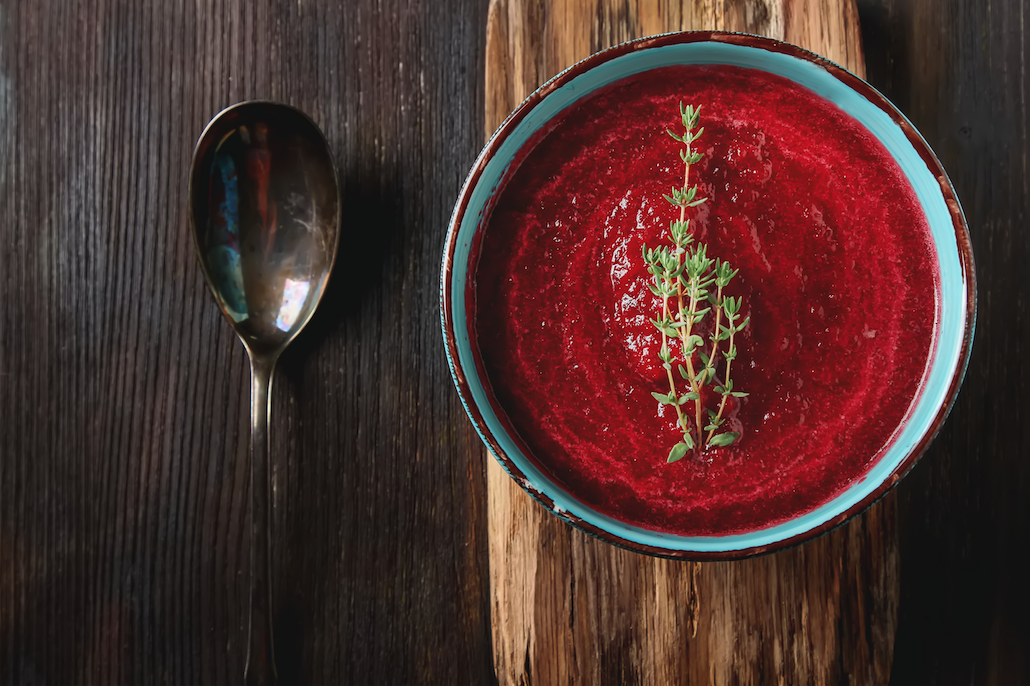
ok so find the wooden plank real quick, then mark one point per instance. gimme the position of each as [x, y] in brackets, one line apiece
[124, 394]
[567, 608]
[959, 71]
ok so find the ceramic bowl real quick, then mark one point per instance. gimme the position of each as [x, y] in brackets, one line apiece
[950, 350]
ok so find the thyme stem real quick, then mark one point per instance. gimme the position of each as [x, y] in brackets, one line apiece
[729, 361]
[687, 273]
[668, 370]
[689, 357]
[685, 331]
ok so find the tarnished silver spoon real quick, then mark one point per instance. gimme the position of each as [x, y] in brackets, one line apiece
[265, 212]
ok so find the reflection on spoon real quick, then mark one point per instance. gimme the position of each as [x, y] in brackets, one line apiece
[294, 294]
[264, 206]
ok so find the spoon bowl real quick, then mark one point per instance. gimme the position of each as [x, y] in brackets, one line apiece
[265, 213]
[265, 209]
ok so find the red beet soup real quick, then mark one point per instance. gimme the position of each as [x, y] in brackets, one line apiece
[837, 272]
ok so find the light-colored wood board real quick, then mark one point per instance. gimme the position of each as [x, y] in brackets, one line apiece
[567, 608]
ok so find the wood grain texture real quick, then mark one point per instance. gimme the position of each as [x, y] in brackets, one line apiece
[529, 41]
[960, 71]
[570, 609]
[124, 395]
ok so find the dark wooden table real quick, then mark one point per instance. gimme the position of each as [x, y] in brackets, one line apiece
[124, 395]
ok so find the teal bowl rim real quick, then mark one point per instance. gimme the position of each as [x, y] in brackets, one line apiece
[956, 315]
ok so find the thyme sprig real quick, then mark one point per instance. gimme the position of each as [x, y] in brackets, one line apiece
[684, 277]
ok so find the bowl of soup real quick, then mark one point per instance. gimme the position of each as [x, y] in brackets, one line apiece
[852, 276]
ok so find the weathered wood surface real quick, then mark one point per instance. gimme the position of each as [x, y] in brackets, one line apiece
[123, 394]
[959, 71]
[567, 608]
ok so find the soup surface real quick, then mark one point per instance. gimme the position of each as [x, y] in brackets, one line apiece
[837, 272]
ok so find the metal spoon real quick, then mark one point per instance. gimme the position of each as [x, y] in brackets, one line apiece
[265, 213]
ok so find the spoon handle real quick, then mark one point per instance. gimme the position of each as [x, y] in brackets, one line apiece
[260, 654]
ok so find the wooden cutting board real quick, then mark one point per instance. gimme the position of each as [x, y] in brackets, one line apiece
[567, 608]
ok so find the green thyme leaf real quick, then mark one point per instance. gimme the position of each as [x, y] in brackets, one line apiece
[724, 439]
[677, 452]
